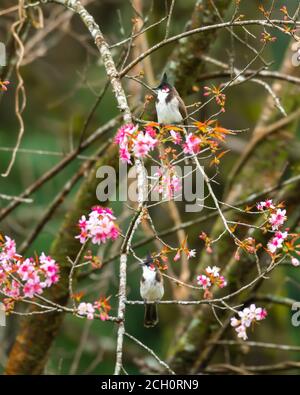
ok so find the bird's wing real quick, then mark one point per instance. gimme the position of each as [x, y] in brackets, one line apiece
[158, 276]
[182, 108]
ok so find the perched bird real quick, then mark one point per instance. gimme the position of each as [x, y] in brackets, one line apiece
[170, 108]
[152, 290]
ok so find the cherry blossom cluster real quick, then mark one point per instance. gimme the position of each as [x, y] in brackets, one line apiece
[246, 318]
[99, 227]
[168, 182]
[89, 310]
[137, 142]
[277, 241]
[175, 136]
[276, 217]
[265, 205]
[282, 240]
[192, 144]
[133, 141]
[211, 277]
[24, 277]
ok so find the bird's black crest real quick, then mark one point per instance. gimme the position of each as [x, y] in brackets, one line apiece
[163, 82]
[149, 260]
[164, 78]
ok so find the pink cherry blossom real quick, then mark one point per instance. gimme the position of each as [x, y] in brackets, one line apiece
[222, 282]
[24, 277]
[12, 289]
[25, 269]
[125, 155]
[192, 144]
[241, 331]
[265, 205]
[50, 269]
[191, 254]
[86, 309]
[135, 142]
[32, 287]
[277, 241]
[234, 322]
[99, 227]
[203, 281]
[269, 203]
[143, 144]
[281, 235]
[176, 137]
[124, 133]
[151, 131]
[277, 219]
[260, 314]
[247, 317]
[123, 138]
[8, 250]
[89, 309]
[212, 277]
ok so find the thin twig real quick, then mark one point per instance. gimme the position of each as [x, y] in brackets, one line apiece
[162, 363]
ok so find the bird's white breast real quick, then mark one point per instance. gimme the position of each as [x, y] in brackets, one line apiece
[167, 113]
[151, 289]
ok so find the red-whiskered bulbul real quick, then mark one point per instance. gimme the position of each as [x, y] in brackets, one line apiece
[170, 108]
[152, 290]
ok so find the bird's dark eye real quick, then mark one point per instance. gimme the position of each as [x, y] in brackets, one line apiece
[148, 262]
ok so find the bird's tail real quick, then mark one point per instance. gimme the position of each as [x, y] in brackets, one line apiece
[151, 316]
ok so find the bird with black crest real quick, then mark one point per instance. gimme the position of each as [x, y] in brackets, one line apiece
[170, 107]
[152, 290]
